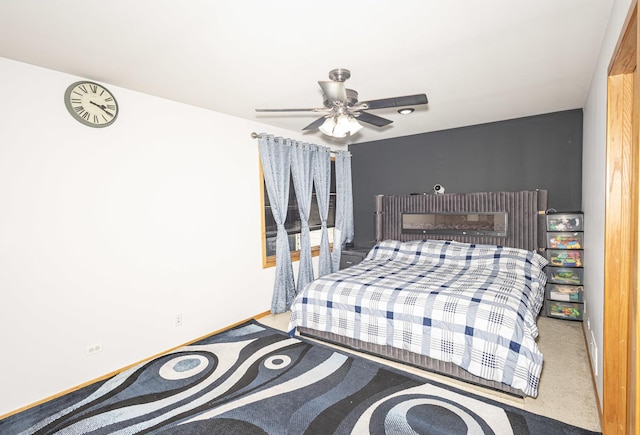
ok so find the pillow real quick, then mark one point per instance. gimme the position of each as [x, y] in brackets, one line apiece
[412, 252]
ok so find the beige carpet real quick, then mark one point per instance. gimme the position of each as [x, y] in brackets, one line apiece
[566, 390]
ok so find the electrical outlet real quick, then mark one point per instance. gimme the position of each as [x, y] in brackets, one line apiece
[93, 349]
[178, 319]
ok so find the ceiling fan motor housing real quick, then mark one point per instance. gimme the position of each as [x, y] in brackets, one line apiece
[339, 74]
[352, 99]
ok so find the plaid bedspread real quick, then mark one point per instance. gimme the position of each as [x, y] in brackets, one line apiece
[472, 305]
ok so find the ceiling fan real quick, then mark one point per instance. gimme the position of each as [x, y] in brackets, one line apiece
[342, 110]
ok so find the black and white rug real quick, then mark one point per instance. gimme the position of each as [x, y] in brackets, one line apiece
[256, 380]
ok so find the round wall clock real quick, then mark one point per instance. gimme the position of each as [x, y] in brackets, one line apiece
[91, 104]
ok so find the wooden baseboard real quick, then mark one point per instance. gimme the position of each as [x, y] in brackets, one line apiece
[261, 315]
[109, 375]
[593, 377]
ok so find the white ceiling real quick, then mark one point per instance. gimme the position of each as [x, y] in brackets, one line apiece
[477, 61]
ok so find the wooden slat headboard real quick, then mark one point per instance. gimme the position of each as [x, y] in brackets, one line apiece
[525, 215]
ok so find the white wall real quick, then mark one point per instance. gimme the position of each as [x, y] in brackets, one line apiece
[594, 182]
[106, 234]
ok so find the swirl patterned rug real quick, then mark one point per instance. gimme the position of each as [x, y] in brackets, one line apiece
[256, 380]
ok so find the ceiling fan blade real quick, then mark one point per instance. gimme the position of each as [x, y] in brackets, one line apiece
[334, 91]
[315, 124]
[376, 120]
[322, 109]
[409, 100]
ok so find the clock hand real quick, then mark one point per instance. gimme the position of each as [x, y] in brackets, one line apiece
[102, 106]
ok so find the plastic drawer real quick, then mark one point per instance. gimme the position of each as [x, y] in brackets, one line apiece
[565, 240]
[564, 275]
[565, 222]
[565, 310]
[565, 257]
[565, 292]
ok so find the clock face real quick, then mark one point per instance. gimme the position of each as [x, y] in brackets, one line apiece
[91, 104]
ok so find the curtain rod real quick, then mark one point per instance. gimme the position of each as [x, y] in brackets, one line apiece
[255, 135]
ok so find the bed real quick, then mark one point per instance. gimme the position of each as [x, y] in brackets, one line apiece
[464, 308]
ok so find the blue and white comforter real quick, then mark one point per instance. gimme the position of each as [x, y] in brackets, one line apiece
[472, 305]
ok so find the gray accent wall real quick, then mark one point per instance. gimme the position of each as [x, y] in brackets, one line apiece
[536, 152]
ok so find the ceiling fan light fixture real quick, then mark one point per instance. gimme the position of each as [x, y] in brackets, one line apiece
[328, 125]
[354, 126]
[406, 110]
[340, 126]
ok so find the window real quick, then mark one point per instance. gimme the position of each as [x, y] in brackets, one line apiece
[293, 224]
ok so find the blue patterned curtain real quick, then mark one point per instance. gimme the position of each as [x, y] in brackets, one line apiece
[275, 156]
[322, 181]
[302, 157]
[343, 232]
